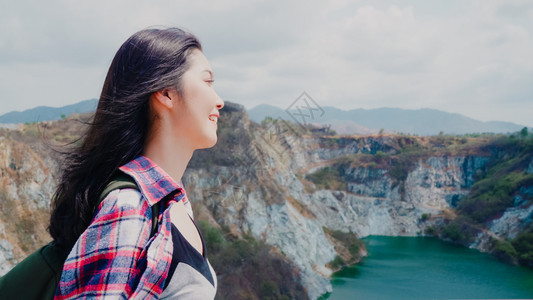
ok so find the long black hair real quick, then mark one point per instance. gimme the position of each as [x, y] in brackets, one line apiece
[149, 61]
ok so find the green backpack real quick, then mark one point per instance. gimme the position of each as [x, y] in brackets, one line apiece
[37, 276]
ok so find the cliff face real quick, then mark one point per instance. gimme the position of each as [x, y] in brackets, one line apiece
[266, 194]
[377, 207]
[516, 218]
[27, 180]
[255, 181]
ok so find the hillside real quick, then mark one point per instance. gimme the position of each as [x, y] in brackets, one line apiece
[392, 120]
[356, 121]
[277, 201]
[46, 113]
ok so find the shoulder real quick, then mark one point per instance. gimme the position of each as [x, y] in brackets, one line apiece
[123, 205]
[115, 240]
[122, 199]
[121, 220]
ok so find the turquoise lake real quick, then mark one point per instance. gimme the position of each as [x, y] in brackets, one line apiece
[428, 268]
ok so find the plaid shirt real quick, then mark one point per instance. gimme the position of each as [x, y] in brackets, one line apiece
[115, 257]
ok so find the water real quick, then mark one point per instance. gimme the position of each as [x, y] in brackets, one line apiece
[427, 268]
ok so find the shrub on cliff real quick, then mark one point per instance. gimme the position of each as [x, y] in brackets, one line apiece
[347, 244]
[454, 232]
[504, 251]
[494, 190]
[248, 268]
[328, 178]
[523, 243]
[337, 262]
[493, 195]
[461, 231]
[431, 231]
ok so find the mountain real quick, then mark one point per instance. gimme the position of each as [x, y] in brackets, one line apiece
[355, 121]
[363, 121]
[282, 210]
[46, 113]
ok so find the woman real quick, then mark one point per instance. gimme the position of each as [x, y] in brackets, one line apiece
[157, 106]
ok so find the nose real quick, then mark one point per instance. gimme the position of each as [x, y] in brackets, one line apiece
[220, 102]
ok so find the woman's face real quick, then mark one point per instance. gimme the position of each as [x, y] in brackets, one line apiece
[197, 114]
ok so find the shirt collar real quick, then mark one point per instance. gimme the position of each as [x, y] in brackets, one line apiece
[153, 181]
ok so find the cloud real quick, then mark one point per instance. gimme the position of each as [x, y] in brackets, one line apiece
[469, 57]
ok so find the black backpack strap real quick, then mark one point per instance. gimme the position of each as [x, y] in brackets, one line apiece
[123, 181]
[155, 218]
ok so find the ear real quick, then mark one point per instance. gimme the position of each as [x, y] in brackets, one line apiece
[164, 98]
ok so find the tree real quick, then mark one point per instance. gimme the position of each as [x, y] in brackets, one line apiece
[524, 132]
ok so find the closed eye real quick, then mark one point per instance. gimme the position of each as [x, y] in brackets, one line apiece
[210, 82]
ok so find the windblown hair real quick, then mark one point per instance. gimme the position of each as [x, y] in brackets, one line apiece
[149, 61]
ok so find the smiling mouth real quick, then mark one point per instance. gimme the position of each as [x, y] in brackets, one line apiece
[213, 118]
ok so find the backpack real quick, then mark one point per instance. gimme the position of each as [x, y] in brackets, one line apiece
[38, 275]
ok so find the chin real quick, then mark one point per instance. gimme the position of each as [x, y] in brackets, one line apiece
[209, 144]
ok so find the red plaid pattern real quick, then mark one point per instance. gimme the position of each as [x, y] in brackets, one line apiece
[115, 257]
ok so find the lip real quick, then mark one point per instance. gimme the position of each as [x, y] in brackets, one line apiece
[214, 115]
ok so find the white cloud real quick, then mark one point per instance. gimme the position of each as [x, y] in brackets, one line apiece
[472, 57]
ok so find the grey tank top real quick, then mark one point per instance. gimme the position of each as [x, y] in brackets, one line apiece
[191, 275]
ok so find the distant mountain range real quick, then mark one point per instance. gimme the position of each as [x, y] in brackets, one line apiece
[364, 121]
[356, 121]
[46, 113]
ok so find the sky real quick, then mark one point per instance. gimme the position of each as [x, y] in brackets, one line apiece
[465, 56]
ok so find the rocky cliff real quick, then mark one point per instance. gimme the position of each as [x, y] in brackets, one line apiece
[395, 192]
[289, 186]
[27, 181]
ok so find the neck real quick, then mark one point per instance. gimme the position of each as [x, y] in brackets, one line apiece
[168, 153]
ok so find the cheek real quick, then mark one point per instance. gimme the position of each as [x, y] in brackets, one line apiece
[206, 98]
[200, 100]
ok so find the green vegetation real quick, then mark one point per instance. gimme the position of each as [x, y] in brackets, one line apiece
[215, 241]
[493, 192]
[337, 262]
[348, 239]
[254, 267]
[454, 232]
[269, 291]
[504, 251]
[346, 243]
[523, 244]
[32, 130]
[431, 231]
[328, 178]
[460, 230]
[524, 132]
[492, 195]
[400, 168]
